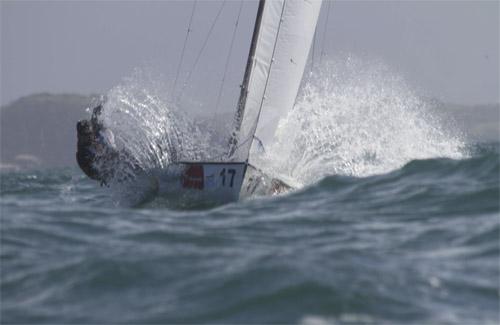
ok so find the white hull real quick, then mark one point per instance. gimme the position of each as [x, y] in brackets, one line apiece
[200, 182]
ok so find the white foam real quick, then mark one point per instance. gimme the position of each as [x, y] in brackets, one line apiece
[352, 117]
[357, 118]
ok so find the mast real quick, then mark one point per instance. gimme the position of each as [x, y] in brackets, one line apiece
[233, 141]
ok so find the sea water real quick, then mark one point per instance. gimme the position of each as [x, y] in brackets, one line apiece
[394, 219]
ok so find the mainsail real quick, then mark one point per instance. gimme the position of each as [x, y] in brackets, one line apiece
[282, 38]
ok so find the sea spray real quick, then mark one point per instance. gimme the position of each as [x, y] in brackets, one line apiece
[357, 118]
[352, 117]
[151, 131]
[149, 126]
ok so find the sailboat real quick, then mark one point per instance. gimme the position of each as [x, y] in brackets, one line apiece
[282, 37]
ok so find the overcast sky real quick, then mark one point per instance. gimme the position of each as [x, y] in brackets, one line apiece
[447, 49]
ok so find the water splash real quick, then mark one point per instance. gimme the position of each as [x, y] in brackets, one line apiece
[352, 118]
[149, 126]
[150, 132]
[357, 118]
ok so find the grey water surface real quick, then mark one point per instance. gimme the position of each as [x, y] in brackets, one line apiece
[416, 245]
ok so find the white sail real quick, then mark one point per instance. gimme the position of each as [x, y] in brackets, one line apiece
[282, 46]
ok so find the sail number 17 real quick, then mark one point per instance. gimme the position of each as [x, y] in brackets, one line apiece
[230, 173]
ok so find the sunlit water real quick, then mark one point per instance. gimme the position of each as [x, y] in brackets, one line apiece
[395, 219]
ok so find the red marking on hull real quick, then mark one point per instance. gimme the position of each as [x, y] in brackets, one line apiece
[193, 177]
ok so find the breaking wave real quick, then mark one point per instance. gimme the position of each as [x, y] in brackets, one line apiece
[358, 119]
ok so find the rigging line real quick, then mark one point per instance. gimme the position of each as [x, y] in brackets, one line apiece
[224, 155]
[324, 31]
[267, 79]
[202, 48]
[227, 59]
[313, 49]
[184, 46]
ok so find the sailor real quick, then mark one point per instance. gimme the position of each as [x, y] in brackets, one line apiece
[96, 150]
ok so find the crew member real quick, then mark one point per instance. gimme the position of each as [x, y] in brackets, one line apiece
[96, 150]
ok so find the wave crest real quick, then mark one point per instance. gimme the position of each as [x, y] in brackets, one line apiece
[357, 118]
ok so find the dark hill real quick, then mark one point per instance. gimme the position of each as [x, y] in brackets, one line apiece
[40, 130]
